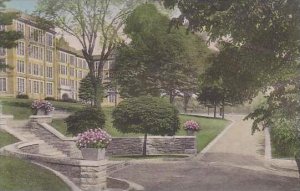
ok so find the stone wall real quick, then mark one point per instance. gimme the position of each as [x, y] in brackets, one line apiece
[32, 149]
[155, 145]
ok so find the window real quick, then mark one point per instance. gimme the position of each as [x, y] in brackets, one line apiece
[2, 52]
[36, 52]
[111, 97]
[29, 86]
[84, 64]
[49, 72]
[29, 69]
[72, 84]
[49, 90]
[20, 48]
[63, 70]
[62, 57]
[63, 82]
[36, 35]
[3, 85]
[79, 63]
[72, 60]
[49, 55]
[3, 62]
[41, 71]
[20, 27]
[35, 69]
[72, 71]
[42, 87]
[21, 85]
[2, 27]
[36, 87]
[49, 39]
[20, 66]
[79, 75]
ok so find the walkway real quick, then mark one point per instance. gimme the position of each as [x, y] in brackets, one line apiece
[234, 163]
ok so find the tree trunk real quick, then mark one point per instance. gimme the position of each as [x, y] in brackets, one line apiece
[215, 111]
[172, 97]
[186, 99]
[223, 110]
[145, 145]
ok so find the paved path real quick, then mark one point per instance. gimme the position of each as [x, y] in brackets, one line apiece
[234, 163]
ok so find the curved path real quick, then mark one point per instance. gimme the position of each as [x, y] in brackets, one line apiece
[234, 163]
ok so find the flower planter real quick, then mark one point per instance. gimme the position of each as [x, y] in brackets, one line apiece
[190, 132]
[93, 154]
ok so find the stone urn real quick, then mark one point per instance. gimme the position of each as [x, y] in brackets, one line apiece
[190, 132]
[94, 154]
[42, 112]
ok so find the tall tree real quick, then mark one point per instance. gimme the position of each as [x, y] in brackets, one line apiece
[93, 23]
[86, 90]
[7, 38]
[156, 61]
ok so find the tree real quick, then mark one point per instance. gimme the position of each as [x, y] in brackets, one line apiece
[147, 115]
[92, 23]
[8, 38]
[156, 61]
[86, 90]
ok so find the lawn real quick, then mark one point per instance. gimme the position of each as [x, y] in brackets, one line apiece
[18, 174]
[210, 128]
[21, 108]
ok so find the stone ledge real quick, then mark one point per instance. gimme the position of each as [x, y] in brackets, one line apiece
[41, 118]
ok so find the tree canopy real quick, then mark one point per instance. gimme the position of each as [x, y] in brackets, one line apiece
[156, 61]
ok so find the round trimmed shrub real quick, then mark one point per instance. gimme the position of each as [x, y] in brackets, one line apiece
[88, 118]
[147, 115]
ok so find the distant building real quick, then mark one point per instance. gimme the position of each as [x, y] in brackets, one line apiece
[42, 67]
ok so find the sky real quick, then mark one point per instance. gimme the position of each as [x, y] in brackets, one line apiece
[23, 5]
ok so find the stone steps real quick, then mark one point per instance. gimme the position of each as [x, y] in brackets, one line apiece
[26, 134]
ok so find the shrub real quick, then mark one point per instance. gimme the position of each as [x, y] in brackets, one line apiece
[50, 98]
[82, 120]
[147, 115]
[22, 96]
[93, 138]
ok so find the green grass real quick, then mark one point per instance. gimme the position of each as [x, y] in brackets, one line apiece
[16, 174]
[21, 108]
[6, 139]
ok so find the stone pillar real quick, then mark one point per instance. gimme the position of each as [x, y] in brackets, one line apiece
[93, 175]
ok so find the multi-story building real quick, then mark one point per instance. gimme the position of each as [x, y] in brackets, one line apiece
[41, 67]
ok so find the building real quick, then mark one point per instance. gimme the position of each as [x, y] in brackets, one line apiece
[42, 67]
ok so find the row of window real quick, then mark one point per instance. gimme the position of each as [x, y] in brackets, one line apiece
[71, 59]
[35, 52]
[72, 72]
[34, 86]
[35, 34]
[73, 83]
[34, 69]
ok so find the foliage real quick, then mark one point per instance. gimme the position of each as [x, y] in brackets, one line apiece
[86, 90]
[22, 96]
[147, 115]
[191, 125]
[87, 118]
[46, 106]
[50, 98]
[156, 61]
[93, 23]
[93, 138]
[8, 38]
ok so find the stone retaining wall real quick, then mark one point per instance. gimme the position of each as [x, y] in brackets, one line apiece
[155, 145]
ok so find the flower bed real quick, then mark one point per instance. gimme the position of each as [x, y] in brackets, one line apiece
[42, 105]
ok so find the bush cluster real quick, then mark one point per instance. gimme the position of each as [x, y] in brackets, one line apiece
[82, 120]
[22, 96]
